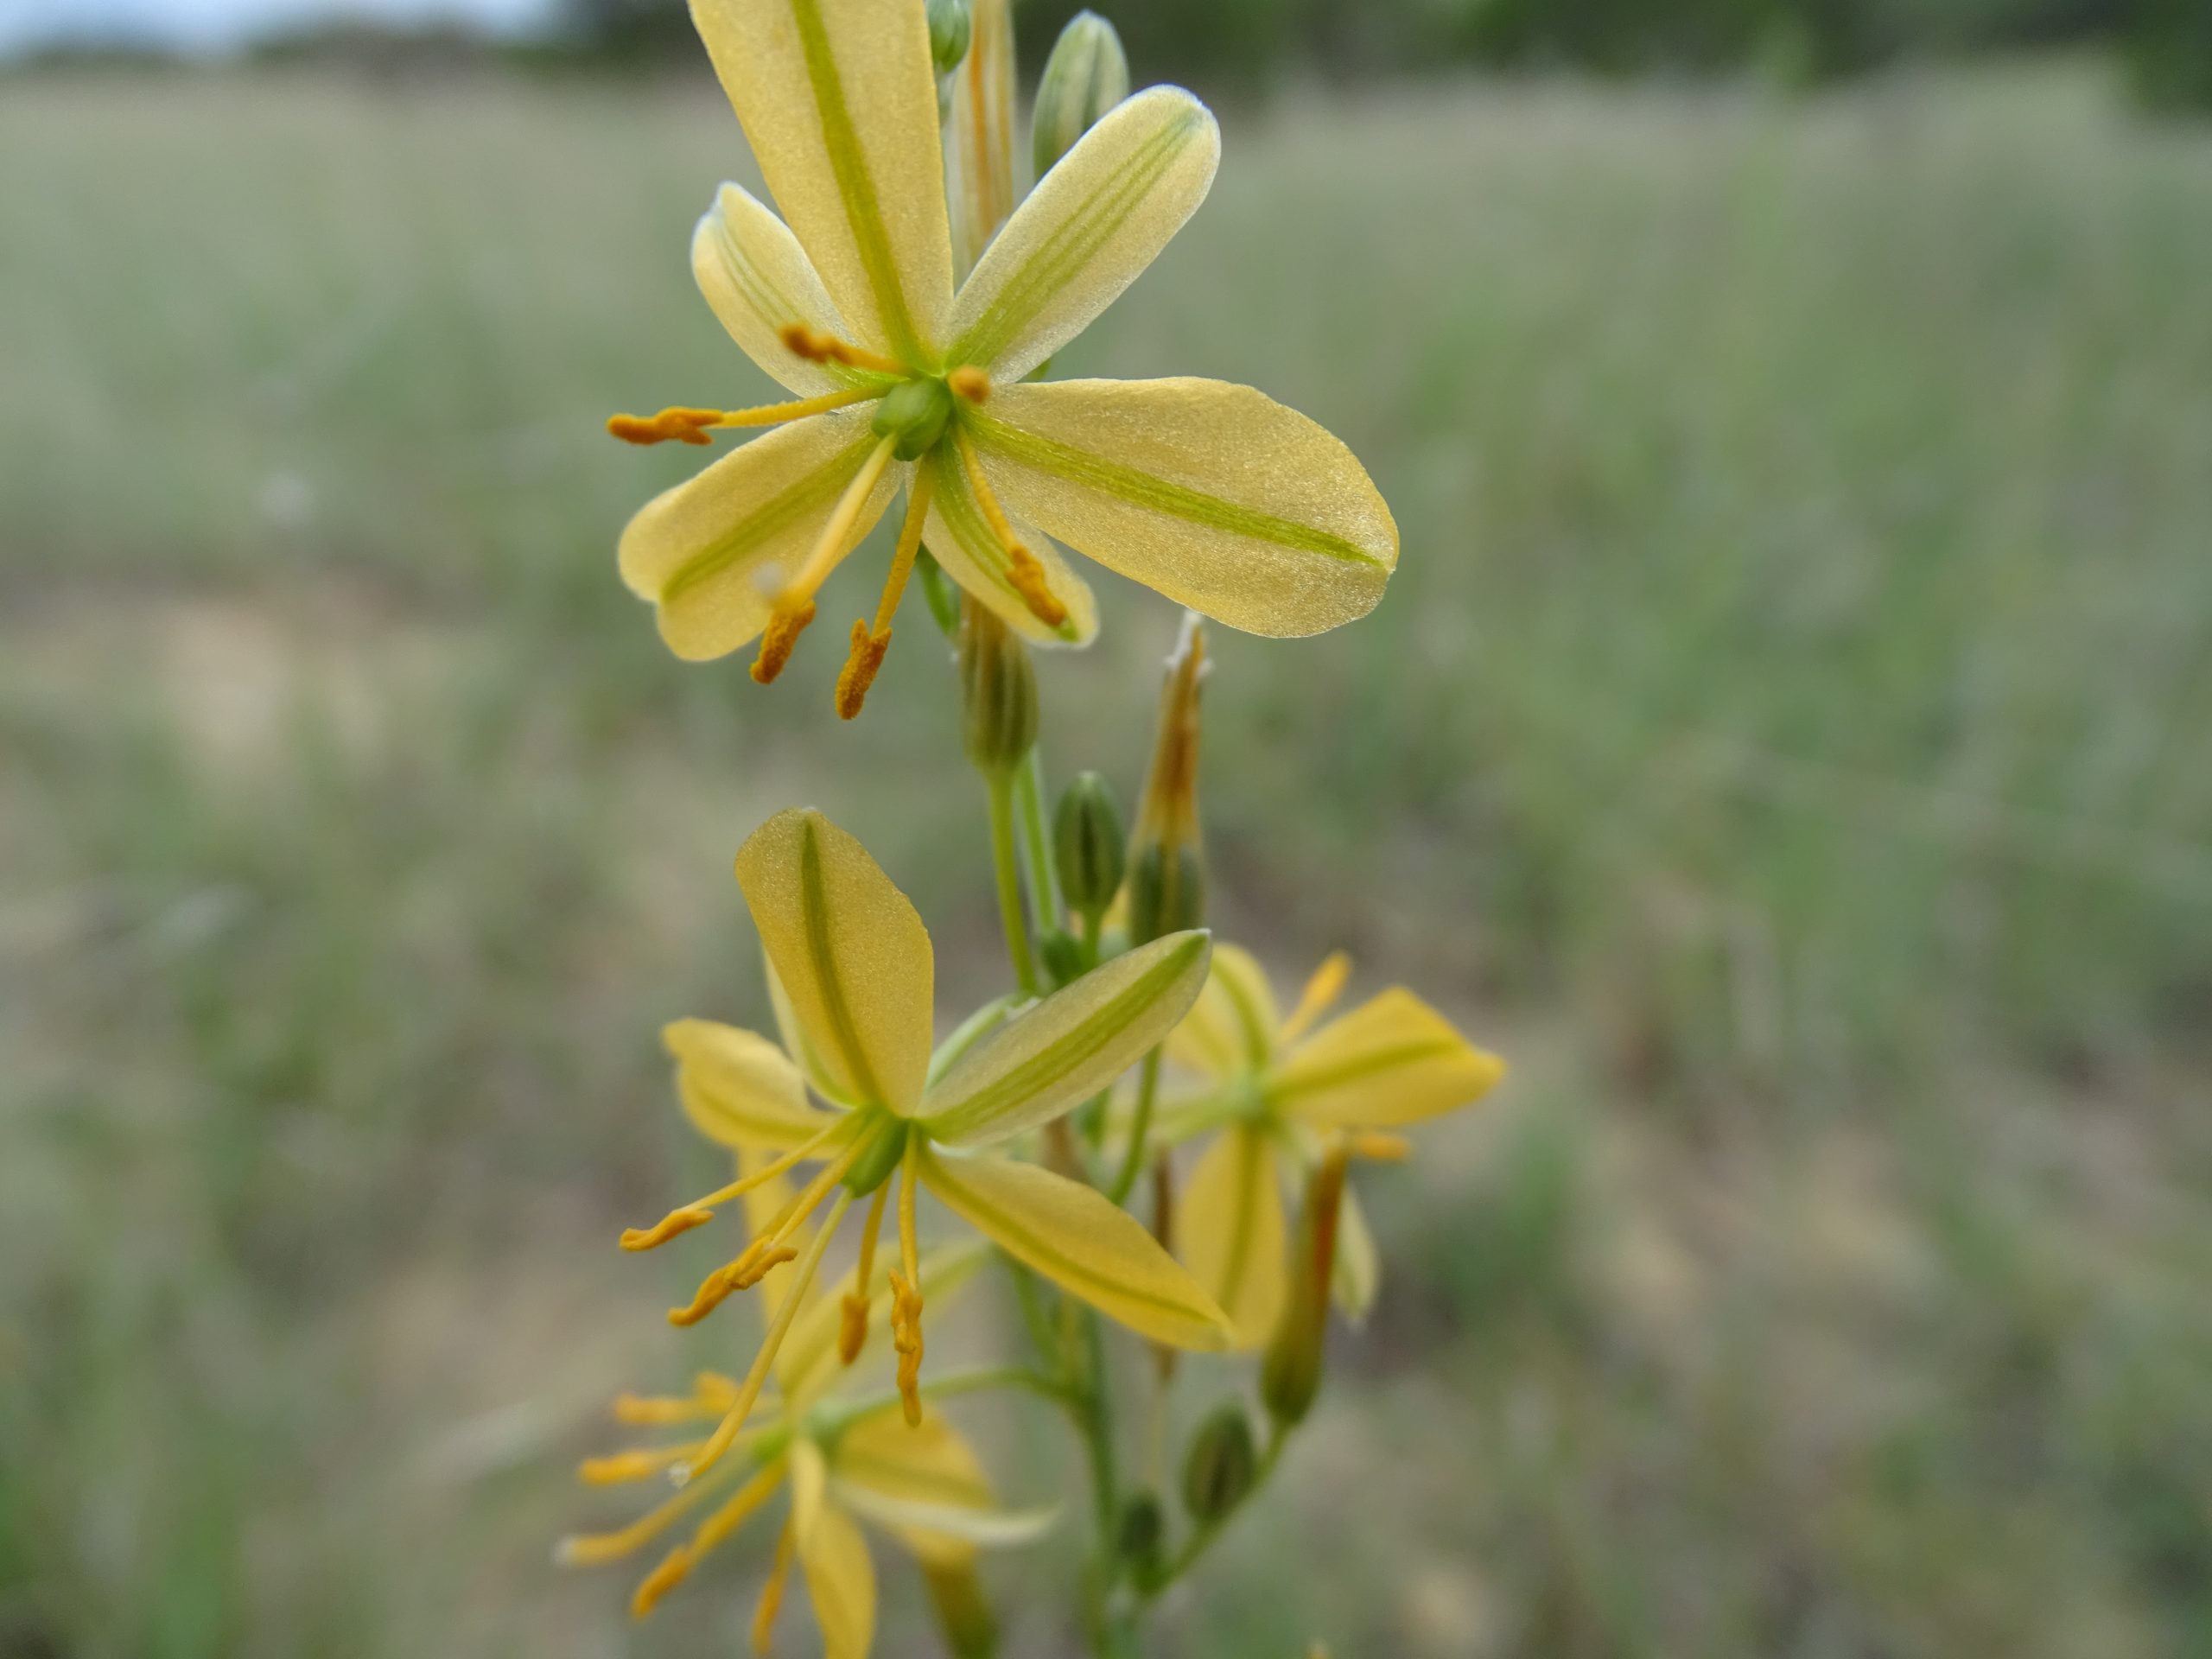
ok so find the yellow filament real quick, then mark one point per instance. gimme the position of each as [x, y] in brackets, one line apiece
[852, 1333]
[906, 1293]
[771, 1593]
[1023, 573]
[726, 1434]
[970, 383]
[1378, 1147]
[1319, 995]
[817, 347]
[869, 644]
[595, 1549]
[640, 1465]
[675, 1567]
[687, 425]
[743, 1505]
[701, 1210]
[830, 545]
[770, 1250]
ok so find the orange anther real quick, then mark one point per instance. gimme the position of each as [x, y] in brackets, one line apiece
[784, 629]
[674, 1224]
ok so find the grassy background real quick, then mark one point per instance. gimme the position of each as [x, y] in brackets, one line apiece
[1790, 738]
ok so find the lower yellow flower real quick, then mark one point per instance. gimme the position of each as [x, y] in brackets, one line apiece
[1277, 1088]
[843, 1461]
[851, 973]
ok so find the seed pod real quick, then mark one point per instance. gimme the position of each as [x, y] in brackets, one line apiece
[1087, 75]
[1167, 861]
[1087, 845]
[949, 25]
[1290, 1375]
[1221, 1467]
[1139, 1537]
[998, 692]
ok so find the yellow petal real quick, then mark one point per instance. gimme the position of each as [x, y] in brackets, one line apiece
[1217, 497]
[1083, 235]
[1072, 1236]
[699, 551]
[760, 281]
[852, 957]
[1358, 1275]
[961, 539]
[840, 1578]
[1230, 1233]
[1069, 1046]
[1391, 1060]
[839, 101]
[1230, 1029]
[740, 1089]
[930, 1463]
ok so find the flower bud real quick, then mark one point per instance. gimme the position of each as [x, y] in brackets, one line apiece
[970, 1629]
[1087, 845]
[1221, 1467]
[949, 29]
[1290, 1375]
[1063, 954]
[1140, 1538]
[1166, 873]
[1087, 75]
[998, 691]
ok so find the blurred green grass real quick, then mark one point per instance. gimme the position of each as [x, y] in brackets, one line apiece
[1790, 736]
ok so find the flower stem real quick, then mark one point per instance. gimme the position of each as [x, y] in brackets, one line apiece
[1203, 1539]
[1037, 843]
[1139, 1130]
[1006, 864]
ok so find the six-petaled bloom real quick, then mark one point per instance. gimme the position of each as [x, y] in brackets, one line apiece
[1279, 1089]
[851, 975]
[1210, 492]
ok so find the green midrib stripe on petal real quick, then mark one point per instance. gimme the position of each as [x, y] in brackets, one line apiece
[956, 503]
[855, 184]
[1073, 244]
[814, 910]
[1062, 1056]
[1258, 1039]
[1001, 1227]
[1141, 489]
[818, 490]
[1368, 1065]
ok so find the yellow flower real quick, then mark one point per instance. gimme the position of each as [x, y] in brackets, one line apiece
[845, 1461]
[1210, 492]
[851, 974]
[1278, 1088]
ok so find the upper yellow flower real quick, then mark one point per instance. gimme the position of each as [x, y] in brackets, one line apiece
[1276, 1087]
[1210, 492]
[851, 974]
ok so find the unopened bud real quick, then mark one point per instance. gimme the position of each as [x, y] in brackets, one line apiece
[939, 590]
[1087, 844]
[1221, 1467]
[1063, 954]
[1087, 75]
[1290, 1375]
[1167, 863]
[950, 26]
[998, 691]
[1140, 1538]
[970, 1629]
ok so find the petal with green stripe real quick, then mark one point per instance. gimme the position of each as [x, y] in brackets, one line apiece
[1069, 1046]
[1230, 1232]
[962, 541]
[1072, 1235]
[1211, 493]
[759, 281]
[852, 957]
[839, 101]
[1393, 1060]
[740, 1089]
[1231, 1028]
[698, 551]
[1083, 234]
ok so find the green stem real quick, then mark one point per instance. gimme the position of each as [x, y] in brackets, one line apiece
[1139, 1130]
[1203, 1539]
[1037, 842]
[1006, 865]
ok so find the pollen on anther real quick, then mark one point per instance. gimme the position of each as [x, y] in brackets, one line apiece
[1028, 579]
[784, 629]
[859, 670]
